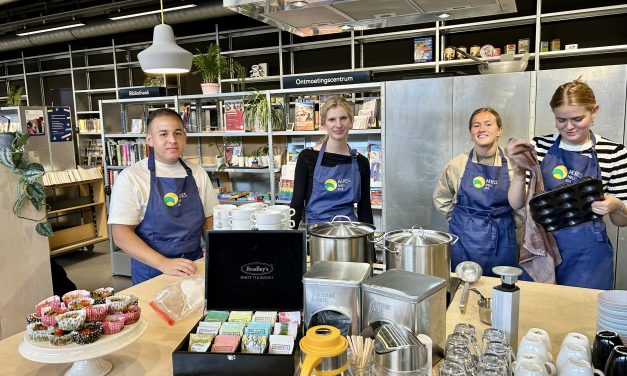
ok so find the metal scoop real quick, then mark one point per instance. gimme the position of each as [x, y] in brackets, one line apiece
[469, 272]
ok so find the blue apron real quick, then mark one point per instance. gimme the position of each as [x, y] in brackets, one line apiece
[587, 255]
[173, 221]
[482, 218]
[335, 190]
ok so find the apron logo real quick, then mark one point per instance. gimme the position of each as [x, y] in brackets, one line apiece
[559, 172]
[478, 182]
[170, 199]
[330, 185]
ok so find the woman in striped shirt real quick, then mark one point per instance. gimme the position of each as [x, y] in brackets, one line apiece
[574, 152]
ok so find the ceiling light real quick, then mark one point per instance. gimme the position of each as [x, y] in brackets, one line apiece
[151, 12]
[53, 28]
[164, 55]
[346, 27]
[444, 15]
[297, 4]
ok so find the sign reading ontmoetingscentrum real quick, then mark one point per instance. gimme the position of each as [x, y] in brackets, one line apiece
[326, 79]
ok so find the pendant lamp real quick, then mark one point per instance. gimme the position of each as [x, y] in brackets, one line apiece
[164, 55]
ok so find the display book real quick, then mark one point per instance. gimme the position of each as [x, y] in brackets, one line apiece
[307, 112]
[73, 175]
[256, 272]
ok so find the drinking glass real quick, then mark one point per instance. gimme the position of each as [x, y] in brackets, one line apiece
[450, 368]
[492, 335]
[504, 350]
[463, 356]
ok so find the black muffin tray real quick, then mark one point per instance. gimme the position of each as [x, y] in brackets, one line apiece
[567, 205]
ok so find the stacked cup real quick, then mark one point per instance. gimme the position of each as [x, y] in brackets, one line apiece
[239, 218]
[287, 223]
[268, 219]
[221, 216]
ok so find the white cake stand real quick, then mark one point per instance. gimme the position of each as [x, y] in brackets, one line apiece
[86, 358]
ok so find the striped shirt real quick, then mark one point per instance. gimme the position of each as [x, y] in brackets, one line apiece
[612, 158]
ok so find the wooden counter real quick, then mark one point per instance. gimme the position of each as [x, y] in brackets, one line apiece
[557, 309]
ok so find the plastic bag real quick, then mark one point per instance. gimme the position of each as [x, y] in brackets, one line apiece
[180, 300]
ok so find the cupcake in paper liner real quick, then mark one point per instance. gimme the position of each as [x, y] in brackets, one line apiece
[89, 333]
[32, 317]
[52, 301]
[59, 337]
[113, 324]
[131, 315]
[96, 312]
[79, 304]
[71, 320]
[134, 300]
[75, 295]
[118, 303]
[100, 295]
[49, 314]
[37, 332]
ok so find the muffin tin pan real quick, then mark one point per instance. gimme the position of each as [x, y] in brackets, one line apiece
[567, 205]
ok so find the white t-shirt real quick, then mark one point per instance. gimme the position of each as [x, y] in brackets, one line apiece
[131, 190]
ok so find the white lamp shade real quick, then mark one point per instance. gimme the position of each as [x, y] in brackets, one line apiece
[165, 56]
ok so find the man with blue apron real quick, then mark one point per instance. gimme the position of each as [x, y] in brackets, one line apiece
[335, 190]
[482, 217]
[173, 222]
[587, 255]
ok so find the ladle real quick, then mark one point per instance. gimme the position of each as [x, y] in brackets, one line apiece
[478, 292]
[469, 272]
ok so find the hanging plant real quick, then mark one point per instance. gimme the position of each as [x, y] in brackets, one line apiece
[14, 95]
[257, 111]
[28, 186]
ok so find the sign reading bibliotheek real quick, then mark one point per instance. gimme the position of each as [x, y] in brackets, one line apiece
[141, 92]
[326, 79]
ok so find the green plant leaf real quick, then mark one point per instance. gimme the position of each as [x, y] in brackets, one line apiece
[33, 172]
[44, 229]
[37, 195]
[6, 158]
[19, 203]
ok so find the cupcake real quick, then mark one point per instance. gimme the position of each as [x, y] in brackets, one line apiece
[118, 303]
[59, 337]
[113, 324]
[89, 333]
[52, 301]
[131, 315]
[134, 300]
[75, 295]
[49, 315]
[32, 317]
[82, 303]
[96, 312]
[71, 320]
[100, 295]
[37, 331]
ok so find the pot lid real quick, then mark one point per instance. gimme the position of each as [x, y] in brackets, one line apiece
[341, 227]
[417, 236]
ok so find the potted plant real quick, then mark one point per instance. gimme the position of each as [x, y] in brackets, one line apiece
[210, 67]
[220, 156]
[153, 80]
[257, 112]
[14, 95]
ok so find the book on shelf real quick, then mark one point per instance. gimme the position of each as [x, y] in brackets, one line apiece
[112, 176]
[370, 110]
[88, 125]
[73, 175]
[374, 158]
[376, 196]
[286, 182]
[304, 115]
[92, 153]
[294, 147]
[234, 115]
[423, 50]
[233, 147]
[126, 152]
[137, 126]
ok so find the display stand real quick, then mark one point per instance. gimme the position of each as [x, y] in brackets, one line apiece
[86, 359]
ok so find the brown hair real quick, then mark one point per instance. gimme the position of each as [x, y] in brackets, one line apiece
[574, 93]
[163, 112]
[499, 122]
[334, 102]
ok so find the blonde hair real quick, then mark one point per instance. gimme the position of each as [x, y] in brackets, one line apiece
[334, 102]
[574, 93]
[499, 122]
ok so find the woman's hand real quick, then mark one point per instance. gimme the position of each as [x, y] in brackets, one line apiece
[609, 204]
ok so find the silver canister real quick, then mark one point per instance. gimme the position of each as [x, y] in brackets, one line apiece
[398, 351]
[415, 301]
[341, 240]
[332, 292]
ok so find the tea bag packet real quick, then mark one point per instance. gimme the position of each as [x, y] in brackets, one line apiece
[199, 342]
[241, 316]
[258, 328]
[225, 344]
[254, 344]
[217, 316]
[287, 317]
[269, 316]
[281, 344]
[209, 327]
[232, 328]
[290, 329]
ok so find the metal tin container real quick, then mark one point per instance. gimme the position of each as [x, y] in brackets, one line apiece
[461, 56]
[341, 240]
[397, 350]
[510, 49]
[415, 301]
[475, 51]
[335, 286]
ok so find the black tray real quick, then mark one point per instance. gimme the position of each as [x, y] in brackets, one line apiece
[568, 205]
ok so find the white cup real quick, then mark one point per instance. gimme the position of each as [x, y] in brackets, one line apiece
[530, 369]
[221, 225]
[579, 339]
[268, 217]
[288, 225]
[283, 208]
[542, 334]
[255, 205]
[578, 367]
[242, 213]
[534, 344]
[536, 359]
[267, 227]
[240, 225]
[571, 350]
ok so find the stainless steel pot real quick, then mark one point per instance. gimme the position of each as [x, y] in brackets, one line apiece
[420, 251]
[341, 240]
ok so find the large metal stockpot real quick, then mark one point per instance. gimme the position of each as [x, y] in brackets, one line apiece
[341, 240]
[420, 251]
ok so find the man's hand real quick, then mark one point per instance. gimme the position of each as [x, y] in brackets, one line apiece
[177, 266]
